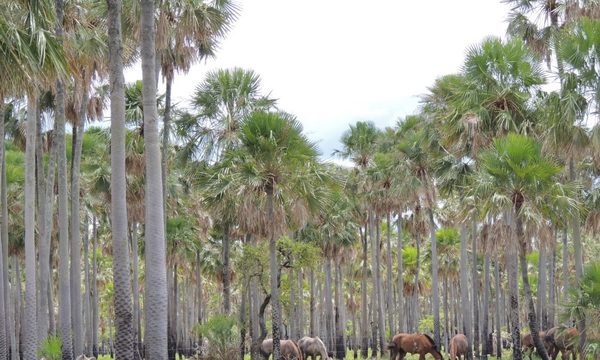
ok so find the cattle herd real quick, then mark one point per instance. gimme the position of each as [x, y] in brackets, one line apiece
[555, 340]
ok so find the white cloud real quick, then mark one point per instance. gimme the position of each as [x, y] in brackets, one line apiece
[334, 62]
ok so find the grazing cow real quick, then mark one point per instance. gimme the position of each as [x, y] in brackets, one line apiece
[289, 349]
[421, 344]
[459, 346]
[563, 341]
[313, 347]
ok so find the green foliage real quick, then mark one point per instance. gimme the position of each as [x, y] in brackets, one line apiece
[50, 349]
[221, 331]
[426, 324]
[447, 236]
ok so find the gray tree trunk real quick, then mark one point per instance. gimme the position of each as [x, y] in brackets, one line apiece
[541, 291]
[94, 295]
[401, 316]
[226, 271]
[498, 305]
[312, 305]
[292, 313]
[16, 310]
[30, 335]
[565, 267]
[474, 288]
[40, 181]
[275, 306]
[121, 267]
[486, 308]
[415, 312]
[3, 291]
[155, 301]
[86, 300]
[364, 328]
[552, 287]
[76, 313]
[378, 314]
[389, 304]
[434, 279]
[464, 288]
[513, 289]
[300, 305]
[64, 309]
[329, 339]
[137, 321]
[340, 336]
[8, 324]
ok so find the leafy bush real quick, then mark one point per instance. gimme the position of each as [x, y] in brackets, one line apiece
[221, 333]
[51, 348]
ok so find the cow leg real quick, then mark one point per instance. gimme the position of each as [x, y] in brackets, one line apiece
[402, 354]
[422, 356]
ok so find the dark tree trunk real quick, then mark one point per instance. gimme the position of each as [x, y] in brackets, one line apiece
[363, 291]
[401, 316]
[464, 288]
[226, 272]
[486, 307]
[474, 287]
[389, 304]
[340, 340]
[498, 322]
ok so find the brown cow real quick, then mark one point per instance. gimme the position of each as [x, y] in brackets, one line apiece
[421, 344]
[563, 341]
[289, 349]
[527, 344]
[313, 347]
[459, 346]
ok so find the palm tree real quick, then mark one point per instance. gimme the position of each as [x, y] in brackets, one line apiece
[155, 249]
[277, 164]
[121, 267]
[359, 145]
[521, 180]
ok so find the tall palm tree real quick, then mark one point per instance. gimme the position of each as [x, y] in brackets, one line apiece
[121, 267]
[522, 181]
[359, 145]
[155, 249]
[277, 163]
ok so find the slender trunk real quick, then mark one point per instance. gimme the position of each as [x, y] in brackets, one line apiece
[541, 291]
[312, 305]
[87, 303]
[434, 279]
[30, 339]
[363, 293]
[63, 212]
[155, 301]
[340, 339]
[174, 314]
[300, 305]
[474, 288]
[464, 288]
[415, 312]
[498, 321]
[401, 316]
[76, 313]
[137, 323]
[245, 295]
[3, 316]
[389, 303]
[45, 240]
[17, 309]
[275, 307]
[446, 314]
[40, 181]
[565, 267]
[486, 307]
[552, 287]
[380, 300]
[329, 340]
[292, 313]
[94, 297]
[531, 316]
[6, 320]
[513, 290]
[121, 267]
[226, 271]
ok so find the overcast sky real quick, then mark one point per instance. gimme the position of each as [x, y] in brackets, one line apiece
[335, 62]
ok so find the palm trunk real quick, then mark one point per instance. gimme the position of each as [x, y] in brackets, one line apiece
[137, 322]
[389, 303]
[226, 271]
[340, 339]
[513, 289]
[474, 288]
[533, 321]
[275, 308]
[76, 313]
[380, 302]
[17, 309]
[565, 267]
[415, 312]
[363, 302]
[498, 321]
[329, 340]
[434, 279]
[7, 323]
[486, 307]
[292, 313]
[40, 177]
[401, 316]
[552, 287]
[3, 291]
[312, 305]
[446, 314]
[245, 294]
[94, 297]
[63, 212]
[464, 288]
[29, 321]
[86, 300]
[121, 267]
[300, 305]
[155, 301]
[541, 292]
[47, 315]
